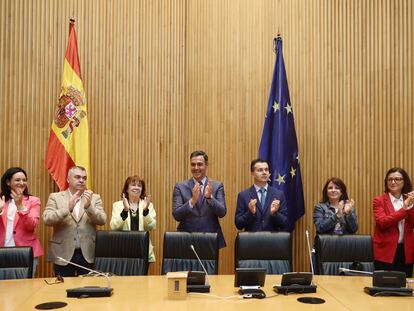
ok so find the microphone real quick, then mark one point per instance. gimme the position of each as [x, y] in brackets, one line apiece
[343, 271]
[204, 269]
[89, 291]
[310, 254]
[298, 282]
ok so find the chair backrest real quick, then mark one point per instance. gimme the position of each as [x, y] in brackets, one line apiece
[270, 250]
[178, 255]
[351, 251]
[122, 252]
[16, 263]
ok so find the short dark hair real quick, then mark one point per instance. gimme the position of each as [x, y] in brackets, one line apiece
[408, 186]
[339, 183]
[198, 153]
[129, 181]
[7, 176]
[255, 161]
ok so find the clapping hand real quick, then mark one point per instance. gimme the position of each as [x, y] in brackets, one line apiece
[147, 201]
[125, 202]
[74, 199]
[409, 201]
[17, 196]
[252, 206]
[87, 195]
[349, 205]
[209, 189]
[196, 194]
[275, 206]
[2, 202]
[340, 210]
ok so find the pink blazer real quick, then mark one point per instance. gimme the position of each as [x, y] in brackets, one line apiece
[25, 224]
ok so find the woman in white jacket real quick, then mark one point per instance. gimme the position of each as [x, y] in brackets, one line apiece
[135, 211]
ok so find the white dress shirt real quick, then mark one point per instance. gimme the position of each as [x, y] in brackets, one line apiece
[11, 212]
[398, 204]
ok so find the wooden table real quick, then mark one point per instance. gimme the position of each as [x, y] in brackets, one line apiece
[150, 293]
[349, 292]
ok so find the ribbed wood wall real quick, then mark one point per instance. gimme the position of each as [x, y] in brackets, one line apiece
[164, 78]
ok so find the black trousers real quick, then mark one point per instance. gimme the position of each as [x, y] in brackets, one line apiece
[71, 270]
[398, 264]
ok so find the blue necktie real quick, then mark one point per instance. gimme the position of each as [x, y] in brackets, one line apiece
[262, 197]
[200, 198]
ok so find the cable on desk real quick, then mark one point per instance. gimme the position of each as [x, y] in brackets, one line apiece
[226, 297]
[216, 296]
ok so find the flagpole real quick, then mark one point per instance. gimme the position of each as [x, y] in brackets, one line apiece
[278, 37]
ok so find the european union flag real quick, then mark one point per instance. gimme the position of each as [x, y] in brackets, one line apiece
[279, 145]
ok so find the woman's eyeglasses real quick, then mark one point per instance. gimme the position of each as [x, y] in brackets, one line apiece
[395, 179]
[58, 280]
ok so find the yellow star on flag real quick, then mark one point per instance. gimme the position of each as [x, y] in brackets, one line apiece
[276, 106]
[288, 108]
[280, 179]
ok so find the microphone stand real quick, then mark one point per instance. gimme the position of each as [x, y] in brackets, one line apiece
[90, 270]
[205, 271]
[89, 291]
[310, 254]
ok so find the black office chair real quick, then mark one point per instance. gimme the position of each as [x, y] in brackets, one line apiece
[16, 263]
[351, 251]
[122, 252]
[270, 250]
[178, 255]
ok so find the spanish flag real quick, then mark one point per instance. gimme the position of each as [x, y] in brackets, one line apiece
[69, 134]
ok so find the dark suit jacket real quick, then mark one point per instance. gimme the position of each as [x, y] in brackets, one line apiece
[203, 217]
[386, 230]
[262, 220]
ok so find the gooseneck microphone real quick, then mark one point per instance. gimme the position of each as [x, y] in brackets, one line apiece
[310, 253]
[89, 291]
[204, 269]
[344, 271]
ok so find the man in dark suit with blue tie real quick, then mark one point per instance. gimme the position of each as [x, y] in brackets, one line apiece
[199, 202]
[261, 207]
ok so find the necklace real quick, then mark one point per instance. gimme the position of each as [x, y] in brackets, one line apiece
[133, 209]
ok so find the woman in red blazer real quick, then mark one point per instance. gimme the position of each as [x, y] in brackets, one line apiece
[19, 213]
[394, 221]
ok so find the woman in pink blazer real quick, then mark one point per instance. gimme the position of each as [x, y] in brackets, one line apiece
[19, 213]
[394, 222]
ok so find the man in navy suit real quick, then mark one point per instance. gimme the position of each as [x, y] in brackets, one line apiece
[261, 207]
[199, 202]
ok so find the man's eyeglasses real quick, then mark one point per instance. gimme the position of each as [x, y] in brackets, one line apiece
[395, 179]
[58, 280]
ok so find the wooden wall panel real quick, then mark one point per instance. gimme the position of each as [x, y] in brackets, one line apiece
[164, 78]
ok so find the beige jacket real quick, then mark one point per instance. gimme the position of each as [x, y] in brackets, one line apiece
[66, 227]
[146, 223]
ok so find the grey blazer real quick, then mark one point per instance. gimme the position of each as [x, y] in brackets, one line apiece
[66, 227]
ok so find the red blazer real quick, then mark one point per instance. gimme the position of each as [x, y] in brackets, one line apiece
[386, 230]
[25, 224]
